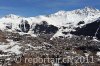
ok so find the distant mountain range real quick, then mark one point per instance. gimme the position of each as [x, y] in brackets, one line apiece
[61, 24]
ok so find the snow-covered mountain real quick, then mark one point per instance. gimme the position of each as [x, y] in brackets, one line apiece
[30, 37]
[61, 23]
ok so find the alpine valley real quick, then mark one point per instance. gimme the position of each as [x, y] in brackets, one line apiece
[65, 33]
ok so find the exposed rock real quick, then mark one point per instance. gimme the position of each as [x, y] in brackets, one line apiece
[2, 37]
[88, 30]
[24, 26]
[81, 22]
[44, 28]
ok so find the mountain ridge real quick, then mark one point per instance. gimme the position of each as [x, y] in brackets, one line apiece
[68, 19]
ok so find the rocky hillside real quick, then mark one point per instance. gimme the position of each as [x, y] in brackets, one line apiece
[59, 35]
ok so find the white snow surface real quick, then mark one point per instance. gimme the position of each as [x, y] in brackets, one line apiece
[12, 47]
[98, 54]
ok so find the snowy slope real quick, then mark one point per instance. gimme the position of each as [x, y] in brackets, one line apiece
[68, 19]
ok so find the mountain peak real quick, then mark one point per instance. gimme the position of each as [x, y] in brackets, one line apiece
[85, 11]
[12, 16]
[90, 9]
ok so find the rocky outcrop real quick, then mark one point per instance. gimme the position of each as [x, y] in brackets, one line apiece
[44, 28]
[2, 37]
[24, 26]
[91, 29]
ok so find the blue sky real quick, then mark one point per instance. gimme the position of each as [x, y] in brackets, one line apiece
[42, 7]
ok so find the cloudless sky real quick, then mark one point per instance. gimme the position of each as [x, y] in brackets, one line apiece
[43, 7]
